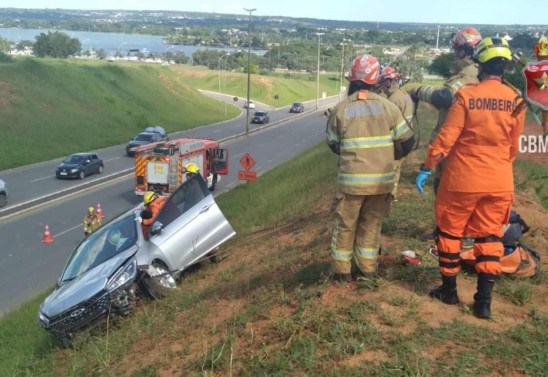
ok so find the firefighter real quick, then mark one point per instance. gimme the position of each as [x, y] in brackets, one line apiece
[91, 222]
[541, 51]
[153, 203]
[190, 169]
[464, 71]
[364, 130]
[389, 84]
[479, 140]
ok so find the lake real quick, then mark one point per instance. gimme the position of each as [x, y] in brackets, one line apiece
[113, 42]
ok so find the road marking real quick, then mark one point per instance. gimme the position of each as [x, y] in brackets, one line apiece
[40, 179]
[66, 231]
[262, 144]
[112, 159]
[270, 161]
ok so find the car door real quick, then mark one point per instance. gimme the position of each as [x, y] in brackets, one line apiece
[94, 163]
[192, 224]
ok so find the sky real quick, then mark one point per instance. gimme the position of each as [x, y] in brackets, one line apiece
[472, 12]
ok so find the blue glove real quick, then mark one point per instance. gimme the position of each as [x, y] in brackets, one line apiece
[421, 179]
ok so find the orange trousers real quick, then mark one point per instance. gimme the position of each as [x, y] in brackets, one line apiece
[479, 215]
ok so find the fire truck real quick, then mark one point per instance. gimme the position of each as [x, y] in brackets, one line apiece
[160, 166]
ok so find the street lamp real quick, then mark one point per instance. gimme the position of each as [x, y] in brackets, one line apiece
[248, 69]
[220, 70]
[165, 53]
[318, 71]
[342, 66]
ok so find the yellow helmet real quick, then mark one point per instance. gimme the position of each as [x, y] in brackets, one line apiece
[91, 210]
[490, 48]
[541, 48]
[149, 197]
[192, 168]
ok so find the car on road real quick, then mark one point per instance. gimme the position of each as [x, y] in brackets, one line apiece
[297, 107]
[118, 264]
[251, 104]
[260, 117]
[3, 193]
[79, 165]
[152, 134]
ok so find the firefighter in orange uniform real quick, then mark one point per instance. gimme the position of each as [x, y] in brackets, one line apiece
[365, 129]
[479, 139]
[153, 203]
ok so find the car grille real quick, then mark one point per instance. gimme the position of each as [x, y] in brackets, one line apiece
[80, 315]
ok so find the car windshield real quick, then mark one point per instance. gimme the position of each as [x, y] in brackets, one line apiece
[259, 114]
[100, 246]
[297, 104]
[143, 137]
[74, 159]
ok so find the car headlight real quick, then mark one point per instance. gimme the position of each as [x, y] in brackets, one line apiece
[44, 321]
[124, 275]
[74, 170]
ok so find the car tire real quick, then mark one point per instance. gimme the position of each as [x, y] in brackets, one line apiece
[3, 200]
[81, 174]
[157, 288]
[100, 169]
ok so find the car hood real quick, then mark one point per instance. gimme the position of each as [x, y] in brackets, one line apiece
[69, 166]
[84, 287]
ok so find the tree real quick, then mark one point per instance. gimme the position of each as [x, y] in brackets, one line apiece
[5, 46]
[442, 65]
[56, 45]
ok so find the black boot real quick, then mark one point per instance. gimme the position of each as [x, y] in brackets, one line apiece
[482, 298]
[447, 292]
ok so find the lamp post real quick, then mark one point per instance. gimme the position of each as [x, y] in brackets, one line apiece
[342, 66]
[220, 71]
[248, 69]
[165, 53]
[318, 71]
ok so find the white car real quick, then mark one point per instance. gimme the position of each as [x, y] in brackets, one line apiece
[251, 104]
[3, 193]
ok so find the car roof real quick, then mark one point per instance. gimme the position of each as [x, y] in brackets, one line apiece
[81, 154]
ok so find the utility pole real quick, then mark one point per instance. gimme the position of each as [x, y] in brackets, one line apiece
[248, 70]
[318, 71]
[342, 67]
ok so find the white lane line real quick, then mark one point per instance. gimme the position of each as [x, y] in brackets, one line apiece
[269, 162]
[40, 179]
[261, 145]
[68, 230]
[216, 131]
[112, 159]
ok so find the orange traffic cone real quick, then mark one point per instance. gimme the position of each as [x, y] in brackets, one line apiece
[47, 236]
[99, 211]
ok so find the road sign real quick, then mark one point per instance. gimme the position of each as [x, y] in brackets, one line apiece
[247, 175]
[247, 161]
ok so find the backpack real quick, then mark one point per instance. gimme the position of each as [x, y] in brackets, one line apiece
[518, 260]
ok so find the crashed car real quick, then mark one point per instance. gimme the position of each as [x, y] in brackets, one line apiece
[119, 264]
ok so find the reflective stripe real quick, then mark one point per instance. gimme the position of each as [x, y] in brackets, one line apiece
[366, 179]
[400, 130]
[366, 142]
[367, 252]
[342, 255]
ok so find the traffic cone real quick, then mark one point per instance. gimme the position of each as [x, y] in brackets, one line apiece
[47, 236]
[99, 211]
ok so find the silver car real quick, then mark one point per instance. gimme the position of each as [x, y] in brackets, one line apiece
[117, 264]
[3, 193]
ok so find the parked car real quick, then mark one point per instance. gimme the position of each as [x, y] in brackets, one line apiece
[117, 265]
[251, 104]
[79, 165]
[3, 193]
[151, 134]
[297, 107]
[260, 117]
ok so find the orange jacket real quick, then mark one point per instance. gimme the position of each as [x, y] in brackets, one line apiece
[154, 208]
[480, 139]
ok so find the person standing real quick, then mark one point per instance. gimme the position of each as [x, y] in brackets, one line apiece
[479, 141]
[390, 85]
[91, 222]
[153, 203]
[365, 130]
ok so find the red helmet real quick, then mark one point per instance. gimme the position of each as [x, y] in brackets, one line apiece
[467, 37]
[365, 68]
[389, 73]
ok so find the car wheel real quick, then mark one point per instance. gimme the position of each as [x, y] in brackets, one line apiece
[100, 170]
[3, 199]
[82, 174]
[160, 284]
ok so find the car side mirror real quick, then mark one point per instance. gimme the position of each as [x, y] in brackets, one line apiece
[88, 161]
[156, 228]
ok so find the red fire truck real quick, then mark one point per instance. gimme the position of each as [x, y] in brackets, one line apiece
[160, 166]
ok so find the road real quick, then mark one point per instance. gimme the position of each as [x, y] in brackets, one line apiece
[29, 267]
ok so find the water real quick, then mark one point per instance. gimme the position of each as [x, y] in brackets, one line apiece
[114, 42]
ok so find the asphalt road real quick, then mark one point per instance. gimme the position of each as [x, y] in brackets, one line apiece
[29, 267]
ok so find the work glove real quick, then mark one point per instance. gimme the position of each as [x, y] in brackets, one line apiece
[139, 220]
[421, 179]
